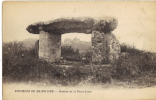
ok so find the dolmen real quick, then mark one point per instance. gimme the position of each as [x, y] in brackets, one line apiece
[105, 45]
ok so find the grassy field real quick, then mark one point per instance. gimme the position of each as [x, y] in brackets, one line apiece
[135, 69]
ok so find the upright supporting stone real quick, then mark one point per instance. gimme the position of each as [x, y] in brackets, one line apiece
[49, 46]
[98, 48]
[112, 47]
[105, 47]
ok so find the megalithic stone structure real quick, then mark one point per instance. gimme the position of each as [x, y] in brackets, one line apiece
[105, 46]
[49, 46]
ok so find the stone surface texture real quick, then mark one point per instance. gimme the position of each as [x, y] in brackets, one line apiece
[105, 48]
[49, 46]
[112, 47]
[98, 47]
[80, 24]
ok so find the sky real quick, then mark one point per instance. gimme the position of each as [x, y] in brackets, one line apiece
[136, 19]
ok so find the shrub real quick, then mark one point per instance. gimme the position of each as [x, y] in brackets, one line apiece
[18, 61]
[68, 53]
[129, 49]
[136, 63]
[102, 74]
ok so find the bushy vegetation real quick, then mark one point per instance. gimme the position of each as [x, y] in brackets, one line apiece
[68, 53]
[134, 62]
[129, 49]
[21, 65]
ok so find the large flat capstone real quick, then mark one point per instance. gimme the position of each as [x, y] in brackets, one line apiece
[80, 25]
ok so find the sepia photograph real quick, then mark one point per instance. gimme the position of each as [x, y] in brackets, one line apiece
[79, 50]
